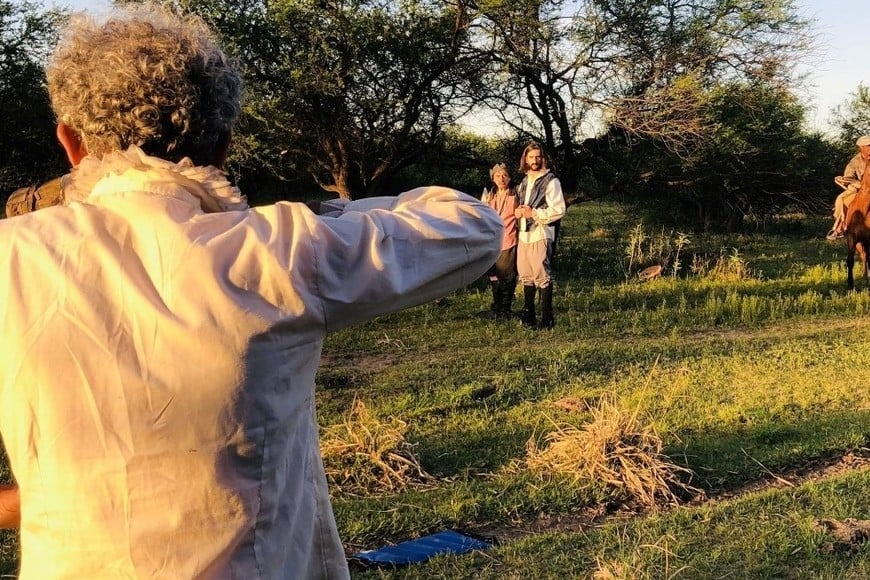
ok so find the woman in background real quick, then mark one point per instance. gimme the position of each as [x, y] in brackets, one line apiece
[502, 197]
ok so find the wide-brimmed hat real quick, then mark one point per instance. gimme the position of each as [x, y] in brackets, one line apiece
[863, 140]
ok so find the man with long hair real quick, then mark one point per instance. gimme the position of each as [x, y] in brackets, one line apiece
[161, 338]
[542, 206]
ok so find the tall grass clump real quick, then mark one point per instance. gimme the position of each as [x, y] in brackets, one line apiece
[662, 249]
[613, 448]
[364, 455]
[727, 267]
[666, 250]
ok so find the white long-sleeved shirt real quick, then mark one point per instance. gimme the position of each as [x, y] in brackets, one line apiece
[158, 363]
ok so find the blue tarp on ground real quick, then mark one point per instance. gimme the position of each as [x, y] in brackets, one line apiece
[421, 549]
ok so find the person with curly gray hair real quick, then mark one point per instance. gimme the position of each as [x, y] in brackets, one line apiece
[502, 197]
[161, 338]
[182, 110]
[107, 95]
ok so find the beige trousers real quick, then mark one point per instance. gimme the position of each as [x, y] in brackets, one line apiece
[533, 263]
[841, 203]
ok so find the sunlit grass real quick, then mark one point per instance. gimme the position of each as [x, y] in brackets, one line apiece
[742, 375]
[771, 534]
[614, 448]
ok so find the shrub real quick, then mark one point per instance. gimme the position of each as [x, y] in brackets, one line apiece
[614, 448]
[364, 455]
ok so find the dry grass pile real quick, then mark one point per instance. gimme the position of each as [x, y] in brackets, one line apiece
[364, 455]
[614, 448]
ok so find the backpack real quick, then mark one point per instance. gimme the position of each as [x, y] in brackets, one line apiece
[29, 199]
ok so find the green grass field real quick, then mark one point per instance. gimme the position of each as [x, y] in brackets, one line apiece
[747, 357]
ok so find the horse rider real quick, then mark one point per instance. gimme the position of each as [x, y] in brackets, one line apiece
[850, 181]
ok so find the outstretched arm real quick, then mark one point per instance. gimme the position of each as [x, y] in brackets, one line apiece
[384, 254]
[10, 506]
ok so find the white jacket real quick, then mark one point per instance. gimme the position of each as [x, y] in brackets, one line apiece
[158, 363]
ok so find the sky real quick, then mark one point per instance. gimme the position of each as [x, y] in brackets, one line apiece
[834, 69]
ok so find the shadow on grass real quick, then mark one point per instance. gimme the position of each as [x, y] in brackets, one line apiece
[725, 460]
[483, 449]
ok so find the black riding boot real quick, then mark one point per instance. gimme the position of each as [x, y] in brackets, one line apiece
[496, 297]
[506, 297]
[527, 316]
[547, 307]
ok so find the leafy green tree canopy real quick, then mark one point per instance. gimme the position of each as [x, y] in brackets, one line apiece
[853, 118]
[562, 72]
[350, 92]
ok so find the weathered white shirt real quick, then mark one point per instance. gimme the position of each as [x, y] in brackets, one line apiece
[158, 362]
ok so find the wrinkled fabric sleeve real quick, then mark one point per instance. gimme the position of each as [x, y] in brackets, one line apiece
[385, 254]
[555, 208]
[852, 174]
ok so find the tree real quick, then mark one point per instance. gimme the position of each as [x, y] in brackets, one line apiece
[30, 151]
[642, 67]
[757, 161]
[533, 76]
[349, 91]
[354, 93]
[853, 119]
[459, 159]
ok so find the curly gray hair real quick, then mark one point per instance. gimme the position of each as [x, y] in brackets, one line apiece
[499, 167]
[145, 77]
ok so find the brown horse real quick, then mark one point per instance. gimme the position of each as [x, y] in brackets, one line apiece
[858, 229]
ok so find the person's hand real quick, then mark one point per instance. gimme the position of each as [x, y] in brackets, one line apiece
[524, 211]
[10, 506]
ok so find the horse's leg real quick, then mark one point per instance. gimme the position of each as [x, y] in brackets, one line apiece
[862, 256]
[850, 261]
[864, 261]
